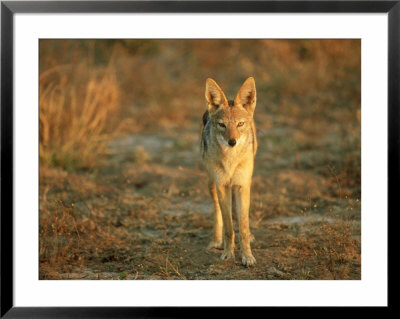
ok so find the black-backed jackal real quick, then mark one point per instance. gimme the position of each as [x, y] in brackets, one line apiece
[228, 147]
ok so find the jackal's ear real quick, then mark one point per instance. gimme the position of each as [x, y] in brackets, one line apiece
[215, 97]
[247, 96]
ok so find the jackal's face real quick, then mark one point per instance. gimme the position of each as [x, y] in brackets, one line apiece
[231, 120]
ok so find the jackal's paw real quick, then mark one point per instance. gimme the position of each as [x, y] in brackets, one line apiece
[215, 244]
[252, 238]
[228, 255]
[248, 260]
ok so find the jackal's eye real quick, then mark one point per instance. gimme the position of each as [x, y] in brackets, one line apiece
[240, 124]
[222, 125]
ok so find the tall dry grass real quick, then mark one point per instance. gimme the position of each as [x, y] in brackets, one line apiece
[77, 103]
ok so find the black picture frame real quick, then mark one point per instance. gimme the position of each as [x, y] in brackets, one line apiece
[9, 8]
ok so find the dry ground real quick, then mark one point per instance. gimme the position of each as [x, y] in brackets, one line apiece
[146, 213]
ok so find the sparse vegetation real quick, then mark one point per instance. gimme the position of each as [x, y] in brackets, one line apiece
[122, 192]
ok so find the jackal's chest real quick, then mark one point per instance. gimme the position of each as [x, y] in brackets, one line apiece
[236, 169]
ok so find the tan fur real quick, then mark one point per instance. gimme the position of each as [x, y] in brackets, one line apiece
[230, 167]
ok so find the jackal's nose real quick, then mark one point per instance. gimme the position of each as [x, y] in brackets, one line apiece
[232, 142]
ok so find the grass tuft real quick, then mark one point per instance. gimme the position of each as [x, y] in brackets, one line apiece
[77, 107]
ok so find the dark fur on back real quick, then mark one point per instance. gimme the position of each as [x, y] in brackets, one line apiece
[205, 131]
[206, 117]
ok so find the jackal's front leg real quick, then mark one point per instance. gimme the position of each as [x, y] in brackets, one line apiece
[225, 201]
[242, 198]
[216, 240]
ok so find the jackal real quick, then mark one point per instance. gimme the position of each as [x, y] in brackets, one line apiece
[228, 147]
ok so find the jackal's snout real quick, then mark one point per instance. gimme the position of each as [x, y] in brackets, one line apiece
[232, 142]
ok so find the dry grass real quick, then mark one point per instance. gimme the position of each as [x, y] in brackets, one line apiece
[77, 106]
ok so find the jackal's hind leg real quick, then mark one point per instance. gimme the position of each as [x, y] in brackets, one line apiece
[216, 239]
